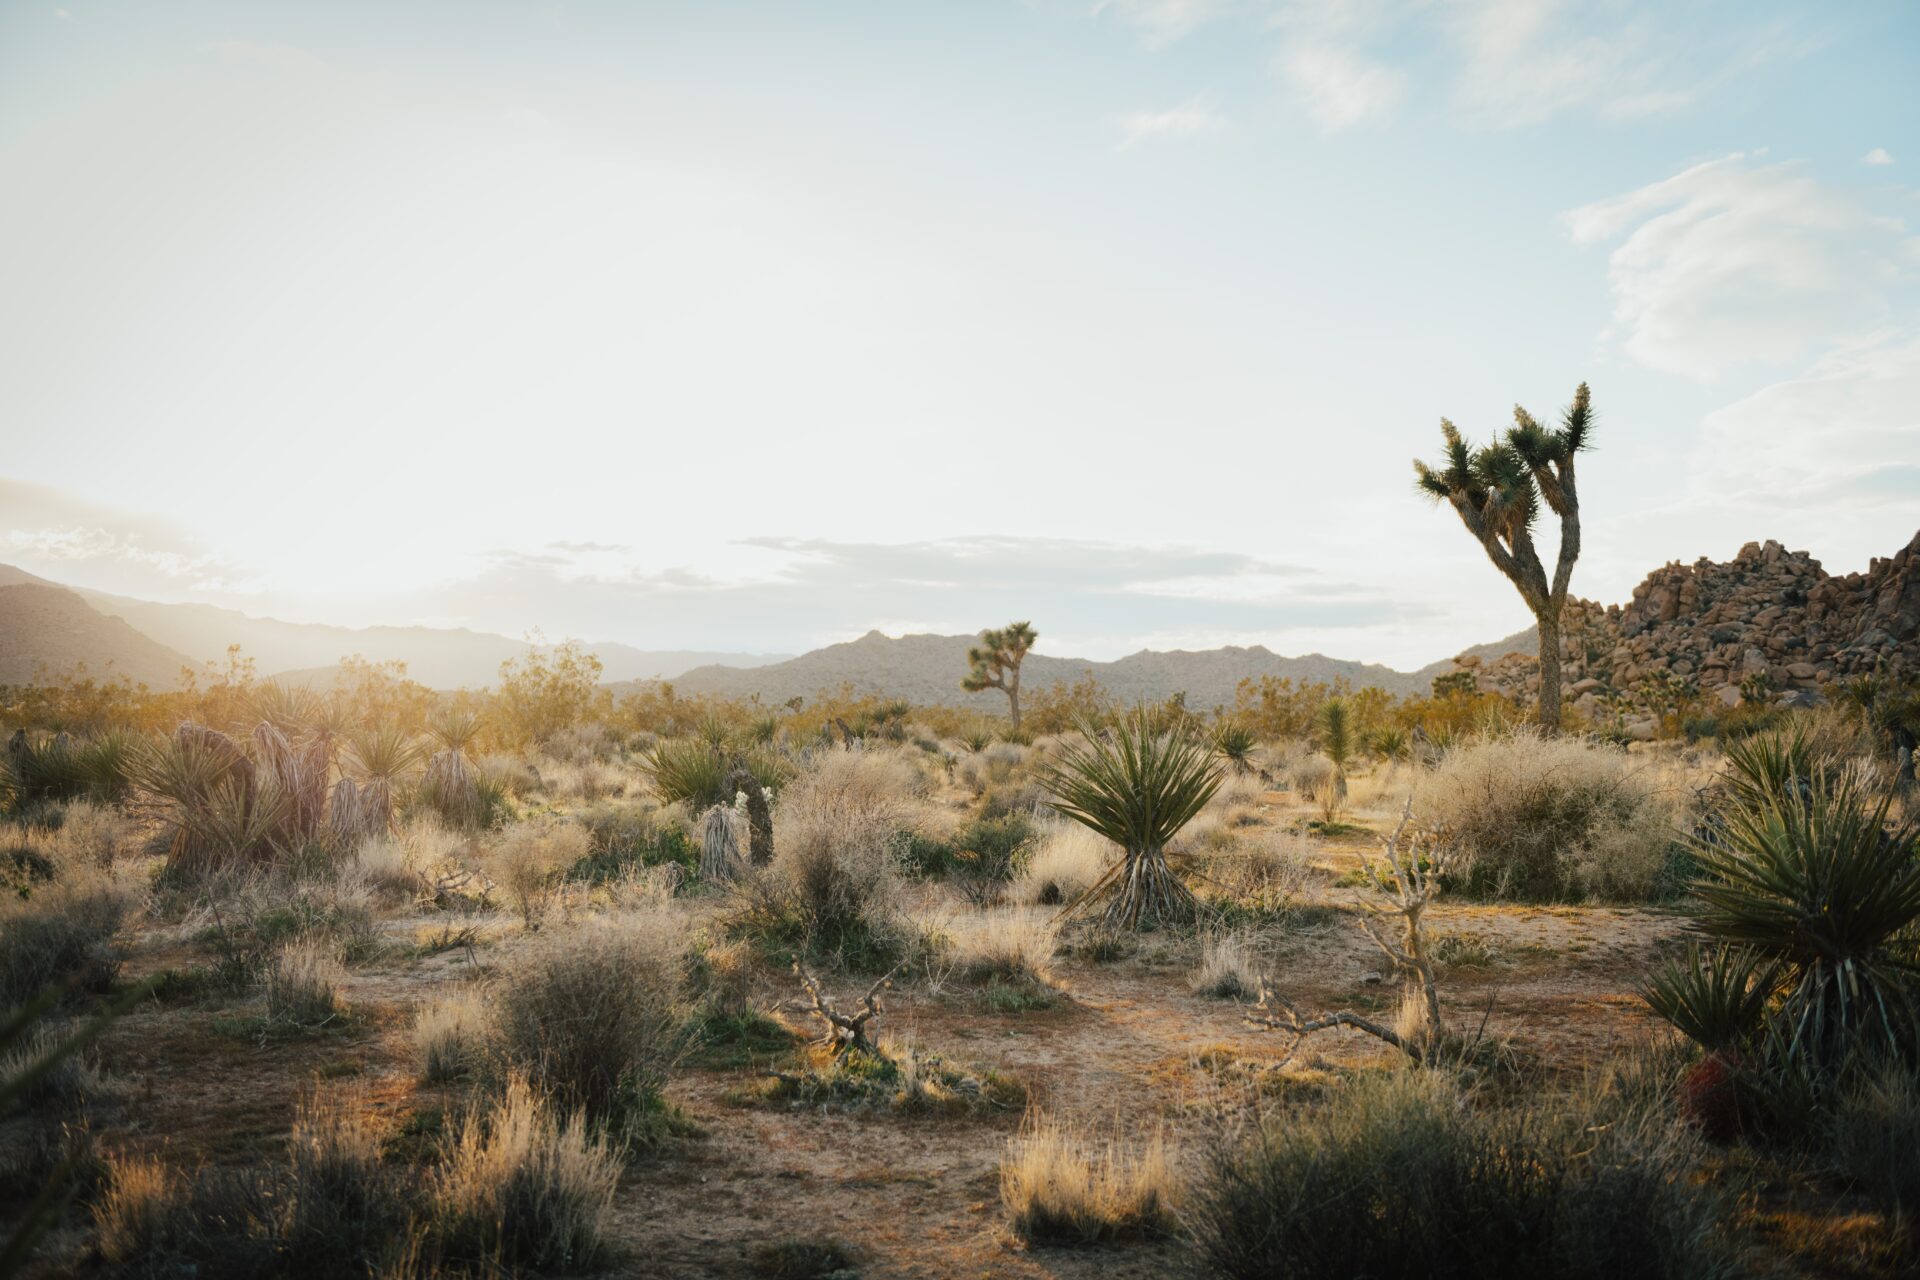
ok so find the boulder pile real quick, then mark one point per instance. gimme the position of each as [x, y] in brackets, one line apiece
[1769, 623]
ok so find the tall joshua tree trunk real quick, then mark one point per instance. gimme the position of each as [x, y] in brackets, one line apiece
[1498, 492]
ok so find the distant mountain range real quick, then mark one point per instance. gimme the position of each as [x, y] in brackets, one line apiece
[47, 627]
[926, 669]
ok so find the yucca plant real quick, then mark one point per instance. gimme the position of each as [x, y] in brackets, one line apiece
[1391, 744]
[455, 728]
[384, 753]
[687, 771]
[1717, 997]
[1766, 766]
[289, 708]
[1335, 726]
[1818, 882]
[1138, 788]
[1236, 742]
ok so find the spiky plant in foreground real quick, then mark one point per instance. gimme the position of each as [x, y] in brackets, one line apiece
[1813, 895]
[1497, 491]
[1137, 788]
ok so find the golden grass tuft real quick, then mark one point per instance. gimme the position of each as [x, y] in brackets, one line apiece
[1057, 1191]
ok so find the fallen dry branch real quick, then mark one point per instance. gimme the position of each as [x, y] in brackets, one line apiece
[1409, 877]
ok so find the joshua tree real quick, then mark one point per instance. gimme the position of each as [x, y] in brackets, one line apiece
[996, 662]
[1498, 490]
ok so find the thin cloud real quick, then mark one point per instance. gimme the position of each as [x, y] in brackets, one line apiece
[1194, 118]
[1877, 157]
[1733, 261]
[1338, 88]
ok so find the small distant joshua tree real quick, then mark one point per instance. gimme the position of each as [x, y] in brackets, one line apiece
[1497, 491]
[996, 663]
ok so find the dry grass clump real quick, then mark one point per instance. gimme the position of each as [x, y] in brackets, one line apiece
[450, 1037]
[1058, 1192]
[303, 985]
[520, 1187]
[528, 860]
[332, 1209]
[593, 1018]
[1066, 861]
[87, 834]
[1009, 946]
[1541, 817]
[340, 1204]
[1228, 968]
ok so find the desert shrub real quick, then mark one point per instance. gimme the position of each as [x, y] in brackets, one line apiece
[154, 1220]
[66, 1085]
[833, 889]
[1058, 1191]
[592, 1019]
[520, 1187]
[693, 772]
[60, 931]
[303, 985]
[528, 859]
[341, 1207]
[1544, 818]
[450, 1037]
[622, 838]
[1136, 782]
[1066, 859]
[83, 833]
[1399, 1176]
[1228, 968]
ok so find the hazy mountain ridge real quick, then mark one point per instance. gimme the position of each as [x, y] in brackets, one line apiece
[927, 669]
[47, 628]
[441, 657]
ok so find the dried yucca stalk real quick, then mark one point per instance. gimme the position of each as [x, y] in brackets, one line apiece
[719, 846]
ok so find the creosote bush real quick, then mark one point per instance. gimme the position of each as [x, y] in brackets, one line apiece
[592, 1019]
[1551, 818]
[1058, 1190]
[528, 859]
[1401, 1175]
[834, 888]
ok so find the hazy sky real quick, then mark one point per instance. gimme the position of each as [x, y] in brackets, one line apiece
[754, 326]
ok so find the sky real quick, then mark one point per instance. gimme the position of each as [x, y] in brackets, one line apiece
[755, 326]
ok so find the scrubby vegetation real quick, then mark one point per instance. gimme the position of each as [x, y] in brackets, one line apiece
[370, 980]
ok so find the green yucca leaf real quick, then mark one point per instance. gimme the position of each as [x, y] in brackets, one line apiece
[1717, 998]
[1134, 785]
[384, 752]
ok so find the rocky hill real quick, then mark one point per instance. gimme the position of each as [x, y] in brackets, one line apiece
[1770, 618]
[47, 628]
[927, 669]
